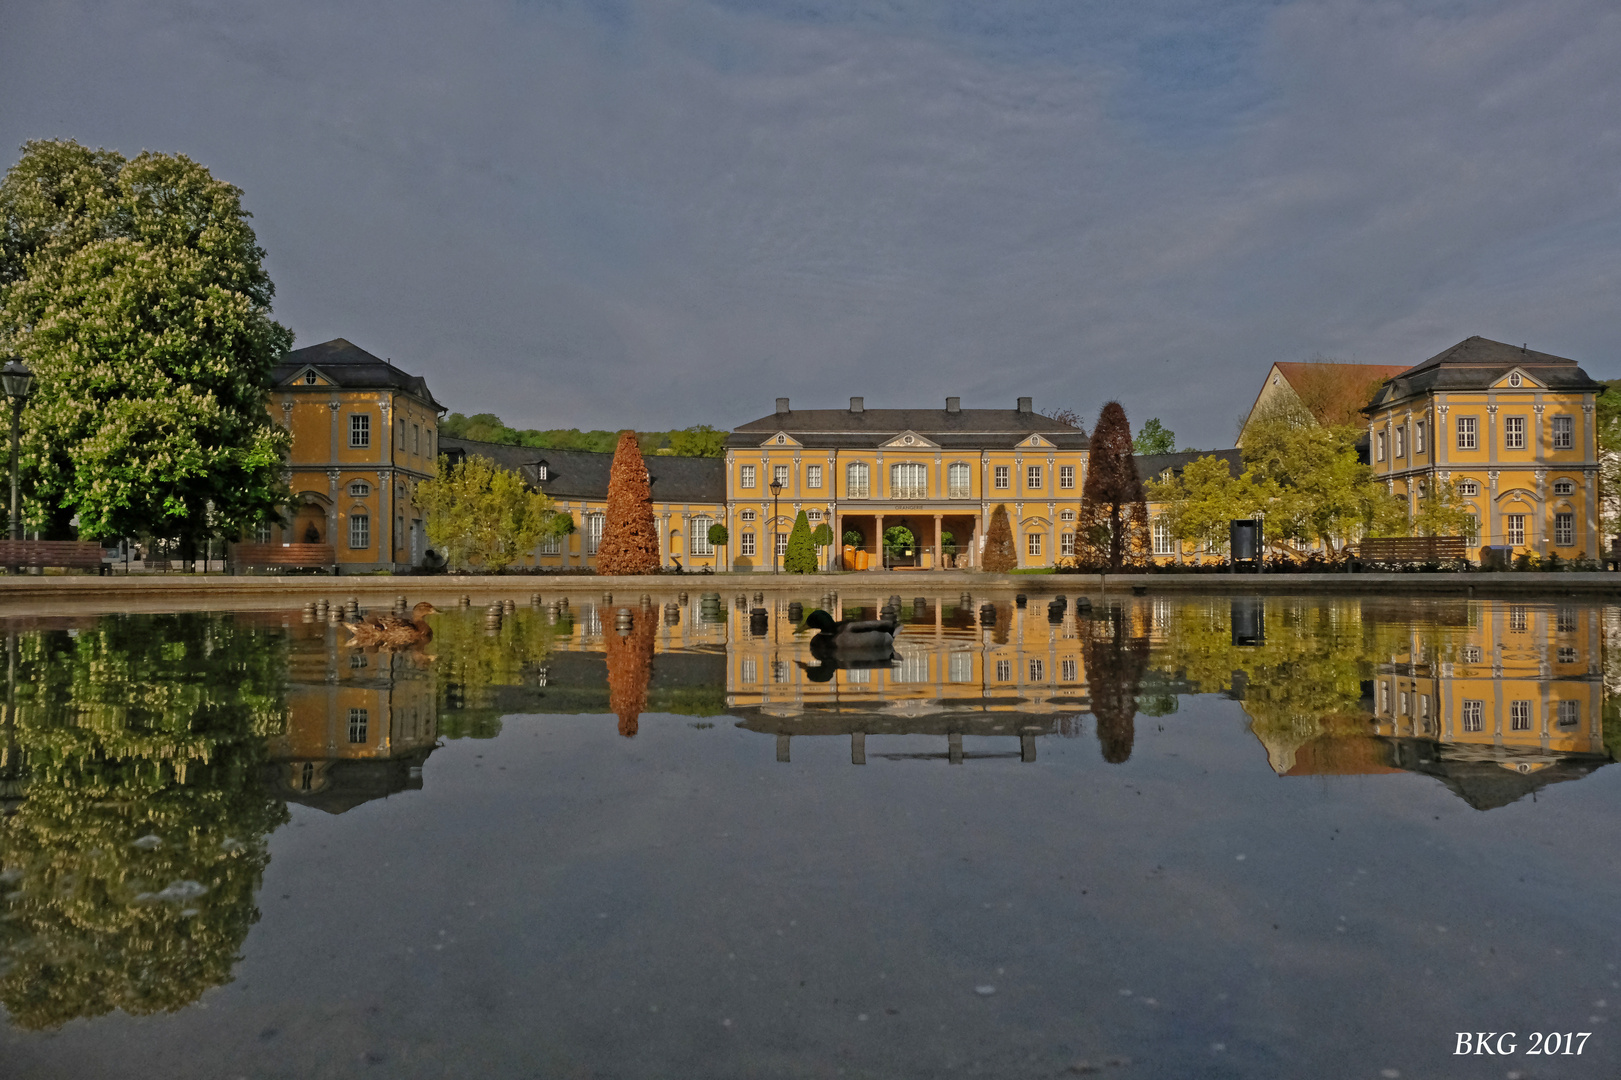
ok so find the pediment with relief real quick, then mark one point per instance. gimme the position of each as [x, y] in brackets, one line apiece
[1517, 380]
[912, 440]
[307, 376]
[782, 438]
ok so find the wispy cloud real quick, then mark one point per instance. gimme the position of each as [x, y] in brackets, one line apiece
[656, 213]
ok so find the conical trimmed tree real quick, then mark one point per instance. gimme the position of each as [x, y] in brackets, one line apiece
[1000, 555]
[800, 558]
[630, 539]
[1113, 525]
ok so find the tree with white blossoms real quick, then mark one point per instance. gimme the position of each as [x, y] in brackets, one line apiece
[136, 291]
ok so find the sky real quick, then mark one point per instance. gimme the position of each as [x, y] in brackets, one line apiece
[655, 213]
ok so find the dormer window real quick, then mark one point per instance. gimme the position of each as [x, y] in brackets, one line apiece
[309, 378]
[359, 489]
[542, 471]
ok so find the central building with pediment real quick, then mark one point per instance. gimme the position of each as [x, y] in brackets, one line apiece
[936, 473]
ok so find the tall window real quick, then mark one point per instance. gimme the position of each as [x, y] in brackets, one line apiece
[593, 532]
[958, 481]
[779, 473]
[1401, 441]
[1471, 529]
[1564, 433]
[751, 670]
[1514, 433]
[1032, 477]
[1068, 670]
[1162, 538]
[1066, 543]
[551, 545]
[359, 430]
[1519, 716]
[416, 438]
[399, 428]
[1003, 476]
[1564, 530]
[1474, 715]
[1066, 477]
[359, 721]
[1418, 437]
[1032, 544]
[782, 544]
[1570, 713]
[1514, 528]
[960, 667]
[1004, 670]
[746, 544]
[1466, 433]
[745, 476]
[698, 537]
[359, 531]
[1379, 446]
[1038, 670]
[813, 476]
[261, 533]
[1516, 618]
[908, 481]
[1565, 621]
[856, 480]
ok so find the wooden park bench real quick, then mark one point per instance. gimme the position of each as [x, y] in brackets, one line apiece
[1413, 549]
[284, 557]
[67, 554]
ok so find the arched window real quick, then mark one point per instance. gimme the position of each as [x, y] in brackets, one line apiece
[359, 489]
[698, 537]
[857, 484]
[958, 478]
[908, 481]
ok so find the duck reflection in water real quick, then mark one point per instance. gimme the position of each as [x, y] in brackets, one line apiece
[629, 653]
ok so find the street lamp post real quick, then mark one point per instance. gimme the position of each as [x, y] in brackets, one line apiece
[776, 492]
[18, 382]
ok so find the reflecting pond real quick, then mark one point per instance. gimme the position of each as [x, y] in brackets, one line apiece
[1198, 836]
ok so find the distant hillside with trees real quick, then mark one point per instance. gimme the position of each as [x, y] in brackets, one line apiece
[700, 440]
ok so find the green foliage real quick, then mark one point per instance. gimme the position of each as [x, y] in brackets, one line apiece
[854, 538]
[948, 543]
[137, 293]
[1305, 480]
[898, 539]
[1607, 412]
[472, 666]
[718, 536]
[139, 726]
[800, 558]
[1154, 438]
[1442, 512]
[822, 535]
[699, 440]
[481, 514]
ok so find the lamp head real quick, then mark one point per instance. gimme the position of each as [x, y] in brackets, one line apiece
[776, 487]
[17, 379]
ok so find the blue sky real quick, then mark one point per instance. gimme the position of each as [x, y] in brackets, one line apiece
[659, 213]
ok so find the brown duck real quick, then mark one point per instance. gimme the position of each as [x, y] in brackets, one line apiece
[394, 631]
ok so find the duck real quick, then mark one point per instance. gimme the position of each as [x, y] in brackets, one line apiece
[866, 636]
[394, 631]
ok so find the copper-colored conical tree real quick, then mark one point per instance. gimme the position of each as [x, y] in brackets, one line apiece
[630, 666]
[1113, 525]
[1000, 556]
[1115, 662]
[630, 539]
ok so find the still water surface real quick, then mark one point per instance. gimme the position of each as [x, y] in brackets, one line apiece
[1193, 837]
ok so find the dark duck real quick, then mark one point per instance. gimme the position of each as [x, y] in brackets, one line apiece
[394, 631]
[856, 639]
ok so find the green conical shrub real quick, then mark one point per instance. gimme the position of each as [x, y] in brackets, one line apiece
[800, 558]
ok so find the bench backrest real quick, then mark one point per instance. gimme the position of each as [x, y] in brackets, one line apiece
[42, 553]
[1414, 548]
[284, 555]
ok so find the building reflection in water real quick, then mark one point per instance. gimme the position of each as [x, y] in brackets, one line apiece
[360, 722]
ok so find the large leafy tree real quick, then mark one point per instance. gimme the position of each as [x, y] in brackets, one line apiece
[1113, 524]
[482, 515]
[136, 291]
[1154, 438]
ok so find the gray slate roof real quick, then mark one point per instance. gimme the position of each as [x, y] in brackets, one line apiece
[966, 429]
[351, 367]
[1149, 466]
[1476, 363]
[581, 474]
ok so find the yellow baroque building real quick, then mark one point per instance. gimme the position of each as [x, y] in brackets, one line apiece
[1512, 428]
[364, 434]
[937, 472]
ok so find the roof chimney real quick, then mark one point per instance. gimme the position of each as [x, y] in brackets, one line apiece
[1024, 405]
[782, 406]
[953, 404]
[858, 404]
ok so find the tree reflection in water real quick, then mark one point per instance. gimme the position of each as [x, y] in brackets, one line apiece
[630, 666]
[132, 865]
[1115, 650]
[473, 661]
